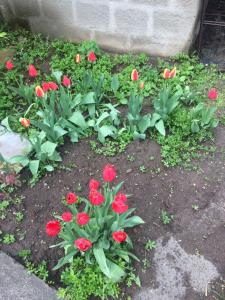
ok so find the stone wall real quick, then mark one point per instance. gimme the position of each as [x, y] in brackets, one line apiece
[158, 27]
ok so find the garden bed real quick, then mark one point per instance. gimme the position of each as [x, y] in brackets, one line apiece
[174, 181]
[173, 190]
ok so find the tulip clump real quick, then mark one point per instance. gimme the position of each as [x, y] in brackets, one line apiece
[98, 231]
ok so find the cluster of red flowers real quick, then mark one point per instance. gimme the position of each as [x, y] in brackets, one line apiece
[119, 206]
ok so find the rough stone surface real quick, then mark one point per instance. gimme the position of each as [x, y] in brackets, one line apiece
[63, 31]
[16, 283]
[12, 144]
[92, 16]
[173, 268]
[162, 27]
[26, 8]
[131, 21]
[58, 10]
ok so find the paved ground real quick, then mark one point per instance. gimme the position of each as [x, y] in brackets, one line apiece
[17, 284]
[173, 268]
[12, 144]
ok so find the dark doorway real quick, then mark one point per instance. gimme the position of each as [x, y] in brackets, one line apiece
[211, 42]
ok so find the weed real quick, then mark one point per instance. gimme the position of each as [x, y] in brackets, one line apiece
[19, 216]
[166, 217]
[146, 264]
[82, 281]
[132, 278]
[24, 254]
[195, 207]
[143, 169]
[8, 239]
[131, 158]
[150, 245]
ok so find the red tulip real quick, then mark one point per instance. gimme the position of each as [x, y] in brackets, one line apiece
[96, 198]
[92, 57]
[109, 173]
[83, 244]
[213, 94]
[66, 81]
[119, 207]
[67, 216]
[94, 184]
[32, 71]
[119, 236]
[53, 228]
[53, 86]
[9, 65]
[82, 218]
[121, 197]
[134, 75]
[45, 86]
[71, 198]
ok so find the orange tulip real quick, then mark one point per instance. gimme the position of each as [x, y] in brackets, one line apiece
[25, 122]
[166, 74]
[39, 91]
[78, 58]
[173, 73]
[142, 85]
[169, 74]
[134, 75]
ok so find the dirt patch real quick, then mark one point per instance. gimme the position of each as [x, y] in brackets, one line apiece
[153, 189]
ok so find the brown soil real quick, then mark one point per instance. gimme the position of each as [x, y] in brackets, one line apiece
[174, 190]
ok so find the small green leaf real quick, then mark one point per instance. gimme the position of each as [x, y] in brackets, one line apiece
[34, 166]
[64, 260]
[160, 127]
[115, 83]
[133, 221]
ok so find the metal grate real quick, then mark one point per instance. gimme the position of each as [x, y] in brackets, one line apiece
[212, 31]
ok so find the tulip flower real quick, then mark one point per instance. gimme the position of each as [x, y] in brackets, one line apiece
[9, 65]
[213, 94]
[32, 71]
[25, 122]
[134, 75]
[92, 57]
[78, 58]
[39, 92]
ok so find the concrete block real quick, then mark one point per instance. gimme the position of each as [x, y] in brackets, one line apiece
[17, 284]
[174, 27]
[152, 2]
[147, 45]
[57, 30]
[112, 41]
[58, 10]
[92, 16]
[132, 22]
[13, 144]
[25, 8]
